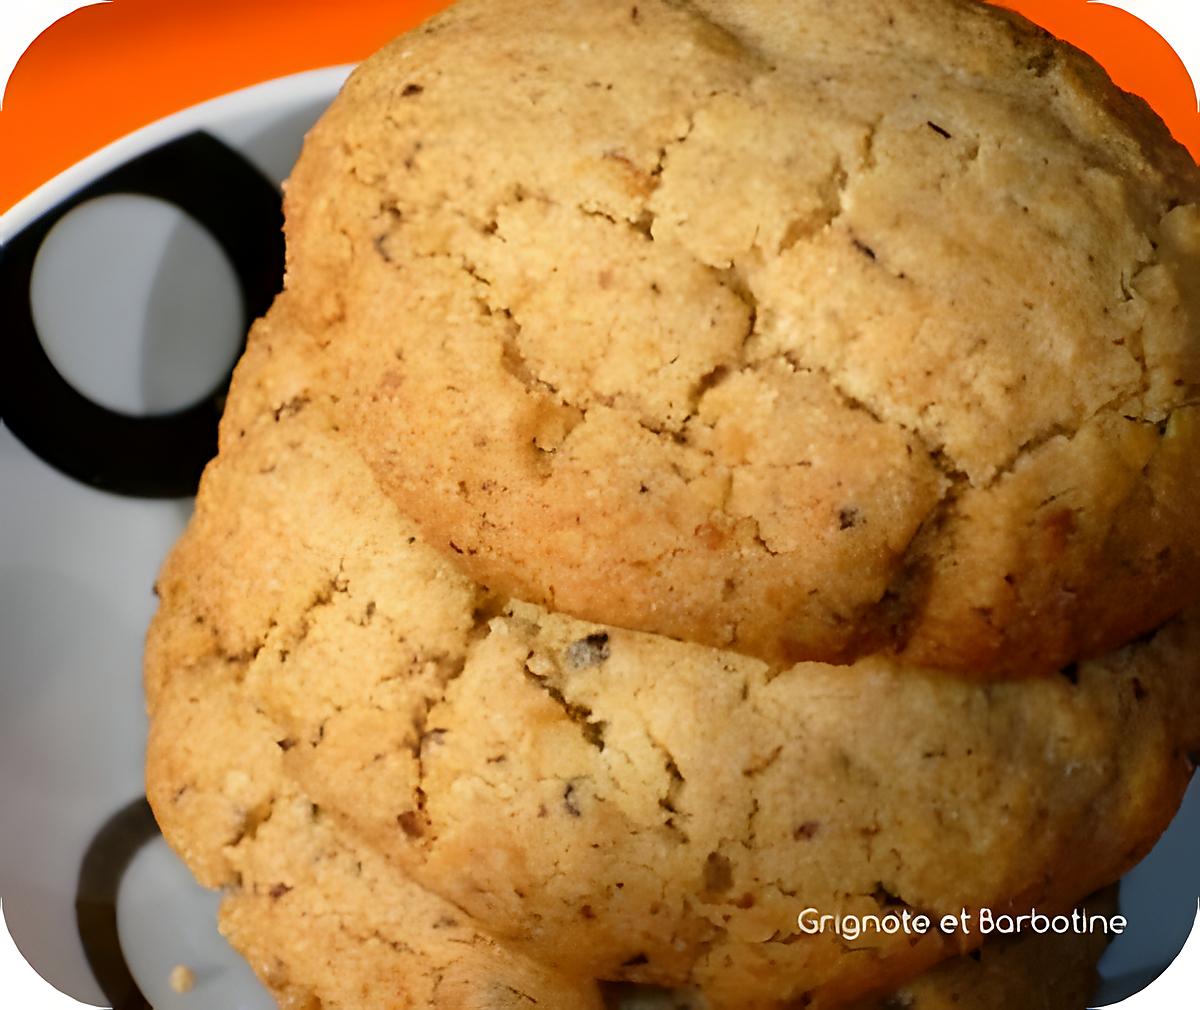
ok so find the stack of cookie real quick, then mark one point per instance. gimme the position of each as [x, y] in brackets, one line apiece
[710, 460]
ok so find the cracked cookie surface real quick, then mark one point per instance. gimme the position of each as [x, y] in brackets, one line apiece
[328, 924]
[607, 803]
[802, 334]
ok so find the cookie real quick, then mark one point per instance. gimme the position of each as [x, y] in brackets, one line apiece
[607, 803]
[801, 331]
[326, 924]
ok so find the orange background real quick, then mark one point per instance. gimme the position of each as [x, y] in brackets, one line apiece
[106, 70]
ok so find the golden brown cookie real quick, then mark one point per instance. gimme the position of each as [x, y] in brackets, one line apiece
[613, 804]
[331, 926]
[797, 329]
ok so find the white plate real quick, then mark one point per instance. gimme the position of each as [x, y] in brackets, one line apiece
[77, 565]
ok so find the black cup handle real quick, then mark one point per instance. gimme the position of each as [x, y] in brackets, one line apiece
[161, 455]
